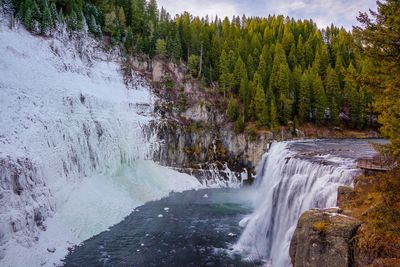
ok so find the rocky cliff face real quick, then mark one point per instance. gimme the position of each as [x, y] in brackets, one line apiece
[324, 238]
[195, 135]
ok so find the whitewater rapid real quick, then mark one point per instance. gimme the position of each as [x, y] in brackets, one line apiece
[288, 183]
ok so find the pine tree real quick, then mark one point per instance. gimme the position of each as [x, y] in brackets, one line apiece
[339, 68]
[47, 20]
[73, 21]
[174, 47]
[224, 82]
[351, 95]
[95, 29]
[54, 14]
[260, 107]
[324, 61]
[161, 47]
[280, 83]
[232, 110]
[138, 16]
[381, 35]
[274, 123]
[240, 125]
[320, 99]
[193, 64]
[128, 40]
[300, 53]
[295, 88]
[239, 72]
[333, 94]
[292, 60]
[334, 113]
[250, 67]
[28, 21]
[304, 98]
[262, 70]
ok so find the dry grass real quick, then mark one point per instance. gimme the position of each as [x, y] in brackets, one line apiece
[320, 226]
[377, 204]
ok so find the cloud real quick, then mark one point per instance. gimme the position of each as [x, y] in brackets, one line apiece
[201, 8]
[323, 12]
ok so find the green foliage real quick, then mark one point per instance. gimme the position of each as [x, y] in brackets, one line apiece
[380, 34]
[304, 98]
[193, 64]
[245, 58]
[240, 125]
[260, 107]
[161, 47]
[320, 99]
[47, 20]
[232, 111]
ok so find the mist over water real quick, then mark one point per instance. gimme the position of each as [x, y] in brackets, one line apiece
[294, 177]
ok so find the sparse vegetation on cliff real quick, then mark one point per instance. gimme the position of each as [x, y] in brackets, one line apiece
[376, 202]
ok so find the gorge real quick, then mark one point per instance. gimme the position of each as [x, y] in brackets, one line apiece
[86, 155]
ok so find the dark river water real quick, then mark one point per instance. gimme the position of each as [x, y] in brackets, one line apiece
[193, 228]
[198, 228]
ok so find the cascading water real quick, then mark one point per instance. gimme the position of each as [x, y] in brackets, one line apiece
[290, 183]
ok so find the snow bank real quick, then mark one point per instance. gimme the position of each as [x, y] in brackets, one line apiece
[73, 145]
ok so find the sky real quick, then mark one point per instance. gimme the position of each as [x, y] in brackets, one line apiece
[323, 12]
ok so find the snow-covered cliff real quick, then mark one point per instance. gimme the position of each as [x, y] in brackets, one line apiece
[74, 146]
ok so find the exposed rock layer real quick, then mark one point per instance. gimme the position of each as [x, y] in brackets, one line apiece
[324, 238]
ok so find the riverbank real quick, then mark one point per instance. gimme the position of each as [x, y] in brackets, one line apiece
[375, 201]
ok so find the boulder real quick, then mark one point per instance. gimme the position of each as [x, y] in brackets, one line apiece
[323, 238]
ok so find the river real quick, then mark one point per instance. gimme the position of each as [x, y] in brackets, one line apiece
[231, 227]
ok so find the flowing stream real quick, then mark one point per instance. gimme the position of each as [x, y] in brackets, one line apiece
[220, 227]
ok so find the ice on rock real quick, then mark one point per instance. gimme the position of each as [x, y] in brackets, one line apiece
[79, 141]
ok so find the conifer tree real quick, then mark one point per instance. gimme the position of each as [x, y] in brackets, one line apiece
[260, 107]
[250, 67]
[333, 94]
[380, 33]
[47, 20]
[54, 14]
[239, 72]
[232, 111]
[262, 70]
[128, 40]
[300, 53]
[174, 47]
[320, 99]
[28, 20]
[161, 47]
[225, 79]
[334, 113]
[274, 123]
[292, 60]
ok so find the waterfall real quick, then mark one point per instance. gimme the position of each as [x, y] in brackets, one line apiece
[288, 185]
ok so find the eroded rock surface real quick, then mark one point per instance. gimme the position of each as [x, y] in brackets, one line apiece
[324, 238]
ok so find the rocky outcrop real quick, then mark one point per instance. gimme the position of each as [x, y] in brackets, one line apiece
[324, 238]
[193, 130]
[197, 148]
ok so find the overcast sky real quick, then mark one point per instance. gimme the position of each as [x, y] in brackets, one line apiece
[323, 12]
